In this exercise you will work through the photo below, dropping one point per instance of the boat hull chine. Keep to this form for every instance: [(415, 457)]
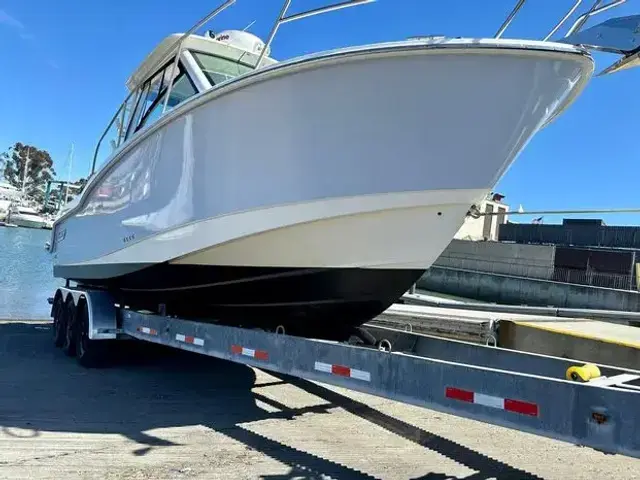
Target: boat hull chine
[(301, 300)]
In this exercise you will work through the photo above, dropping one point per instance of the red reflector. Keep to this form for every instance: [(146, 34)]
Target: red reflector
[(237, 349), (457, 394), (517, 406), (340, 370), (261, 355)]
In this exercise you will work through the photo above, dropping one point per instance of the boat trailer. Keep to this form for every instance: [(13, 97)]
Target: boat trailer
[(584, 404)]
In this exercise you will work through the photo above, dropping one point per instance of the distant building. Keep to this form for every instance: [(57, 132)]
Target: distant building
[(572, 232), (485, 227), (587, 251)]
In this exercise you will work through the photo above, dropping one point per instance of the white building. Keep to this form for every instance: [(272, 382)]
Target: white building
[(485, 227)]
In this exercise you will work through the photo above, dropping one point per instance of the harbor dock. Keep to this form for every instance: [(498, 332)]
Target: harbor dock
[(588, 340)]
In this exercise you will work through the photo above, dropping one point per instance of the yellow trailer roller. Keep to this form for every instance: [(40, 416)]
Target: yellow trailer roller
[(583, 373)]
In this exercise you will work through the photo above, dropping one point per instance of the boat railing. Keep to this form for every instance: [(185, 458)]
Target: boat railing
[(283, 18), (175, 51), (180, 42), (596, 8)]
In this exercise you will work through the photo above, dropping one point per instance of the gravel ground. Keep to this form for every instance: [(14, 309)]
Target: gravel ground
[(181, 416)]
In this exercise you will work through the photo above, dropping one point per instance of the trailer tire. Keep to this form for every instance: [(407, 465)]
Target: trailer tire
[(89, 353), (59, 322), (69, 343)]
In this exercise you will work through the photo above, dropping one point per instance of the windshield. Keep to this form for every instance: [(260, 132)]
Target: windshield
[(219, 69)]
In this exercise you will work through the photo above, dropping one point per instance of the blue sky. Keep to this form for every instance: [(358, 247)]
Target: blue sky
[(64, 65)]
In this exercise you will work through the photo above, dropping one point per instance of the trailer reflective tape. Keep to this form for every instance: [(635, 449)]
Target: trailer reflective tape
[(342, 371), (147, 330), (190, 340), (457, 394), (250, 352), (526, 408), (508, 404)]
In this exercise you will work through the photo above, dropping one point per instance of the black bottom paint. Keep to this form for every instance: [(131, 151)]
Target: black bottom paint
[(313, 300)]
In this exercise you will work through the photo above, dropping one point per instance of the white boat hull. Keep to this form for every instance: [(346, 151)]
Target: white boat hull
[(27, 221), (367, 160)]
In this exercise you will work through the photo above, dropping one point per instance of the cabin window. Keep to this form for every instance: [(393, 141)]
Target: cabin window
[(154, 94), (138, 108), (158, 84), (219, 69), (182, 89), (143, 107), (124, 118)]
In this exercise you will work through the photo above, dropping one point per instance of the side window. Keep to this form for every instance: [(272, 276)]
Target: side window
[(153, 114), (151, 107), (182, 89), (137, 111), (153, 93), (143, 108), (124, 119)]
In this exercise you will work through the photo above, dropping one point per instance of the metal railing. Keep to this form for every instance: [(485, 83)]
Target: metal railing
[(180, 41), (577, 25), (299, 16), (594, 10), (176, 50), (121, 110)]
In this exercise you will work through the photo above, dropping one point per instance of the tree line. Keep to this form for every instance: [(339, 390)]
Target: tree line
[(39, 171)]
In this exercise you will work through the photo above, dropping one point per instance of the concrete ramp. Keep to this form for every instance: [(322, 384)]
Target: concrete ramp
[(587, 340)]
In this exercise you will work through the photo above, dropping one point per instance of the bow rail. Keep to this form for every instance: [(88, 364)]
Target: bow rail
[(591, 38)]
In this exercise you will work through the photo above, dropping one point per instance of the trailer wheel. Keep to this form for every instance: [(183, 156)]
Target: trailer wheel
[(69, 344), (59, 323), (89, 353)]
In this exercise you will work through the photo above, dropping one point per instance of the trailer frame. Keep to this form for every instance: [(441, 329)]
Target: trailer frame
[(523, 391)]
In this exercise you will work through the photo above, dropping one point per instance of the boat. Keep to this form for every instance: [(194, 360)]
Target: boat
[(23, 215), (8, 191), (8, 195), (308, 193), (4, 208)]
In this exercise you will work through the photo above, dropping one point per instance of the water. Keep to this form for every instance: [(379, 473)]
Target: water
[(26, 273)]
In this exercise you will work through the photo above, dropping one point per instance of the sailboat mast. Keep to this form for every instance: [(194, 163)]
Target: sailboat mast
[(66, 195)]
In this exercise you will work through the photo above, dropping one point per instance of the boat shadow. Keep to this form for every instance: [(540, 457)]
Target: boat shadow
[(153, 387)]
